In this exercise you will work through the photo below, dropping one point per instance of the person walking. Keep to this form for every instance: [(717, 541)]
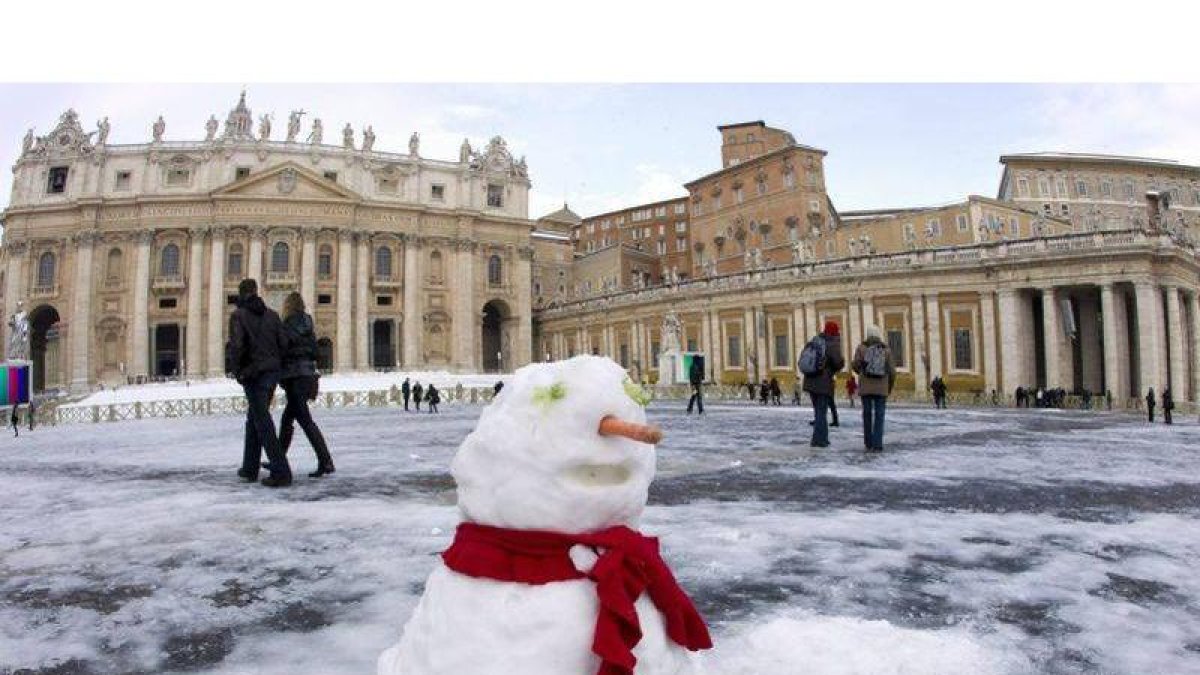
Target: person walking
[(819, 361), (1108, 399), (497, 387), (433, 397), (776, 392), (406, 392), (851, 388), (299, 381), (1150, 403), (254, 355), (764, 392), (1168, 404), (15, 420), (873, 361), (417, 390), (696, 379)]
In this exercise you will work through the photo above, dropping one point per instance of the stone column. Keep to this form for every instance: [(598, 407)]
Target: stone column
[(308, 269), (15, 291), (718, 345), (1091, 358), (810, 321), (761, 329), (855, 331), (464, 303), (195, 302), (1175, 338), (216, 304), (1051, 338), (921, 376), (706, 344), (987, 320), (1114, 380), (254, 265), (523, 290), (139, 357), (81, 313), (1194, 344), (1148, 329), (413, 281), (933, 317), (868, 313), (362, 302), (1012, 354), (345, 326), (750, 344)]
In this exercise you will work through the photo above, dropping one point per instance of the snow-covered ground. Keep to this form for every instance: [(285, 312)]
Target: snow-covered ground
[(982, 541), (212, 388)]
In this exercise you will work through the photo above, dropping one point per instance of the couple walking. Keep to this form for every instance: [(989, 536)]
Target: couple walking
[(821, 359), (264, 352)]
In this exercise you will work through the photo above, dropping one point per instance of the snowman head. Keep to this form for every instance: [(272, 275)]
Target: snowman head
[(537, 459)]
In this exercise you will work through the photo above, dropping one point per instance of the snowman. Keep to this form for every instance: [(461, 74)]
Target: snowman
[(547, 574)]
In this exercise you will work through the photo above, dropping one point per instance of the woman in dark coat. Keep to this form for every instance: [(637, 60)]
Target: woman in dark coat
[(433, 397), (299, 382)]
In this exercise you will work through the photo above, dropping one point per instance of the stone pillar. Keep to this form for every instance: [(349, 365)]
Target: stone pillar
[(921, 376), (1091, 358), (1175, 338), (362, 302), (345, 327), (1148, 329), (1012, 355), (718, 349), (706, 344), (868, 314), (1051, 338), (308, 269), (523, 290), (81, 313), (254, 264), (987, 320), (195, 301), (139, 357), (216, 304), (933, 317), (463, 325), (761, 330), (750, 345), (412, 306), (856, 331), (1194, 344), (1115, 366)]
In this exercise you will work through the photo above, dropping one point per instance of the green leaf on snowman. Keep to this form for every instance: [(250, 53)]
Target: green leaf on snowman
[(546, 396), (635, 392)]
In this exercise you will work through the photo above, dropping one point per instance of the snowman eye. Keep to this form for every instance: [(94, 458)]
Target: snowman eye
[(634, 391), (546, 396)]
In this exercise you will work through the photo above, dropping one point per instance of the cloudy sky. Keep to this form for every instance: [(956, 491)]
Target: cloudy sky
[(601, 147)]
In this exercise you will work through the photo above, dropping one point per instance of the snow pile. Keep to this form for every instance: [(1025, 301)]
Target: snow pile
[(849, 646)]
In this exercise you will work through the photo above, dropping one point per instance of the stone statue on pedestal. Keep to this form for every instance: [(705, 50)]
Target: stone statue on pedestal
[(348, 137), (264, 128), (210, 128), (102, 129), (414, 144), (368, 138), (293, 128), (464, 151), (318, 131), (18, 335), (159, 127), (27, 144), (669, 356)]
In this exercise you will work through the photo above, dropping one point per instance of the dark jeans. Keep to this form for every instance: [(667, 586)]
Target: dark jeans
[(697, 398), (833, 411), (296, 411), (1167, 415), (873, 407), (1150, 409), (820, 431), (406, 397), (260, 429)]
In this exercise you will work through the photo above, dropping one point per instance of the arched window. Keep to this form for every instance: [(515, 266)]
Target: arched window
[(114, 270), (168, 263), (233, 262), (495, 271), (383, 262), (325, 261), (435, 266), (45, 273), (280, 257)]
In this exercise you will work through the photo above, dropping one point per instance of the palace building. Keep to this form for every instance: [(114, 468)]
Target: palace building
[(127, 257), (1081, 274)]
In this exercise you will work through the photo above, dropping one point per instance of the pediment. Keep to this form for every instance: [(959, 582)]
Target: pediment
[(287, 181)]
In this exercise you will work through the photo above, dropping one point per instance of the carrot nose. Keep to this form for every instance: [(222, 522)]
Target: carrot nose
[(643, 433)]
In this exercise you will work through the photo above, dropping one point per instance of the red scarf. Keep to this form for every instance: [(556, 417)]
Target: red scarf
[(628, 565)]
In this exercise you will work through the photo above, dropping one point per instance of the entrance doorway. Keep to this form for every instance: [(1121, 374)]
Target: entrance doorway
[(43, 348), (166, 350), (492, 342), (383, 353)]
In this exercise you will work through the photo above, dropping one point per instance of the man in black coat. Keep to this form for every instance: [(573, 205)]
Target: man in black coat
[(417, 390), (696, 379), (406, 392), (254, 356), (1168, 404)]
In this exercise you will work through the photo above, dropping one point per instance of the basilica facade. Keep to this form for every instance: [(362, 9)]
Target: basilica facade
[(126, 258)]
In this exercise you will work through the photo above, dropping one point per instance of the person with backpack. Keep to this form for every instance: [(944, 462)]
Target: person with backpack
[(299, 380), (819, 361), (433, 397), (696, 379), (873, 361)]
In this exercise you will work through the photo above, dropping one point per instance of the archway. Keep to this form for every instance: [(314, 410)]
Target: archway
[(43, 347), (495, 313)]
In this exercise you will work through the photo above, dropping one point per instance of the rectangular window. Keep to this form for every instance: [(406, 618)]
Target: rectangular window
[(123, 180), (814, 206), (662, 247), (961, 221), (760, 187), (910, 233), (1014, 226), (387, 186), (56, 182), (680, 209), (783, 355), (895, 342), (733, 351), (933, 228), (654, 348), (168, 303), (495, 196), (1106, 189), (178, 177), (1043, 188), (738, 196), (437, 192), (962, 349), (830, 248), (624, 354), (789, 180), (241, 172), (330, 176), (1022, 188), (680, 244), (1061, 186), (661, 212), (1066, 209), (233, 265), (324, 299), (1128, 189), (1081, 188), (681, 225), (383, 300), (1046, 209), (231, 300), (325, 264)]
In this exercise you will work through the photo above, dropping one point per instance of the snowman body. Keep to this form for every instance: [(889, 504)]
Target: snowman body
[(535, 462)]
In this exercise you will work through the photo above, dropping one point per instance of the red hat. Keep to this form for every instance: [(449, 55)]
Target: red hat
[(831, 329)]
